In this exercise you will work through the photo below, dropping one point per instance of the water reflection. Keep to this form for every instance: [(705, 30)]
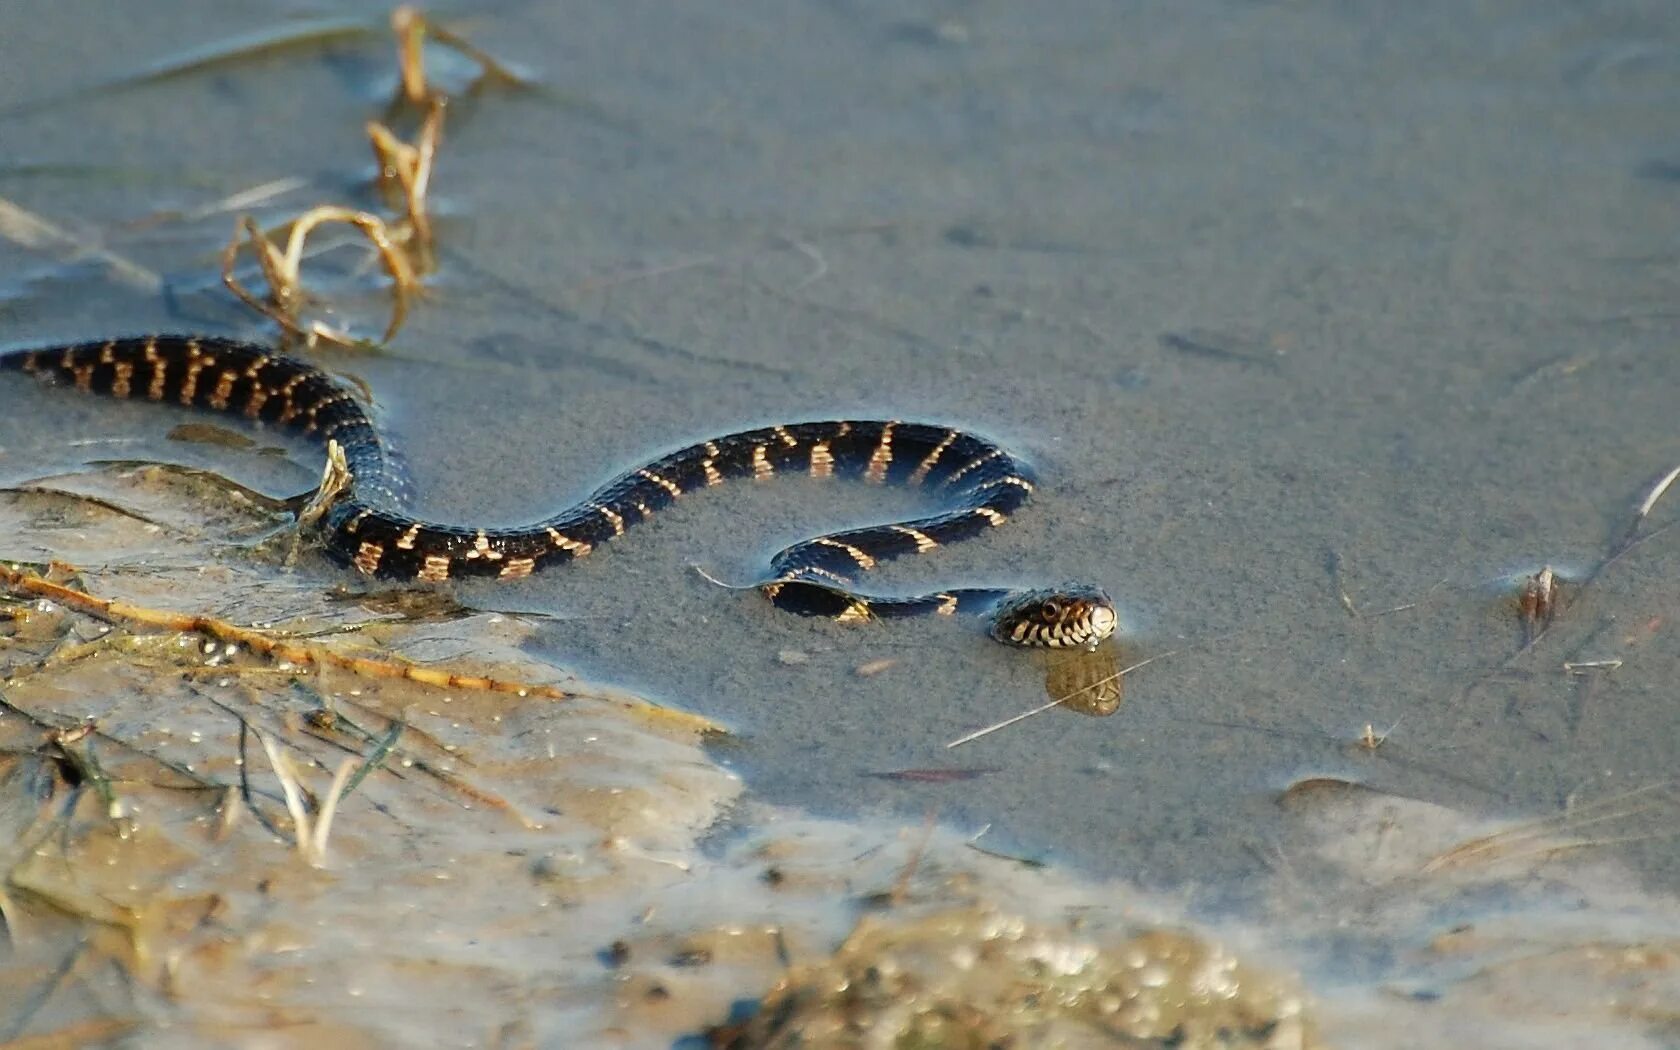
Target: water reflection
[(1085, 680)]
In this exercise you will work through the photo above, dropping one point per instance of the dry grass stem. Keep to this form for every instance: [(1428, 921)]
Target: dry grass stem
[(311, 832), (700, 570), (329, 808), (409, 168), (404, 246), (304, 34), (289, 35), (90, 727), (1531, 838), (232, 807), (281, 272), (411, 27), (1407, 606), (1551, 370), (327, 723), (283, 772), (279, 648), (1641, 511), (969, 738), (1644, 509)]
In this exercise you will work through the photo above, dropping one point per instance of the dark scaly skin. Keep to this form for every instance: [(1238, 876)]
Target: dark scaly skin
[(980, 484)]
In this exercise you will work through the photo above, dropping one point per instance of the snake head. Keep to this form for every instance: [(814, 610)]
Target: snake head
[(1074, 615)]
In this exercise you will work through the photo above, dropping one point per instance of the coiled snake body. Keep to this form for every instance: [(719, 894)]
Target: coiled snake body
[(981, 486)]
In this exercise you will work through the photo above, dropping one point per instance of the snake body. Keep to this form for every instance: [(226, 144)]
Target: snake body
[(978, 483)]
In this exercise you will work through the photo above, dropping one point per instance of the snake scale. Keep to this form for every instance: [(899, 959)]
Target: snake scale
[(978, 484)]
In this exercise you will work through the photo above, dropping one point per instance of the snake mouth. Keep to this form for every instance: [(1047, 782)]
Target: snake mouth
[(1069, 617)]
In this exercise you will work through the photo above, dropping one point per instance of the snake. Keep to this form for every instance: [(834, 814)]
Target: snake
[(977, 484)]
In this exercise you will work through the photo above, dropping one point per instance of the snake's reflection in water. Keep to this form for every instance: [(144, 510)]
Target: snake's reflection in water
[(1088, 681)]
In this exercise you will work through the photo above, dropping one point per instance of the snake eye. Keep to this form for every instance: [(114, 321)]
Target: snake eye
[(1052, 610)]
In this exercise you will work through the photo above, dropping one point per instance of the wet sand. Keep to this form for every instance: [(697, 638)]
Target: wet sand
[(1260, 290)]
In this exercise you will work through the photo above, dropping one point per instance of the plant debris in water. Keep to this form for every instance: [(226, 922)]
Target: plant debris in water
[(404, 244)]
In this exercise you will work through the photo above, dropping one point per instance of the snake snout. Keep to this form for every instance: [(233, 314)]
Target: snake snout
[(1067, 617)]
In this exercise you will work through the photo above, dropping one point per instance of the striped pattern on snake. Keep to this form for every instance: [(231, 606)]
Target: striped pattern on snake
[(979, 486)]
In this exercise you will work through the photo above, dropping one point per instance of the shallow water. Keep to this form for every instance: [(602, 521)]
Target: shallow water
[(1258, 289)]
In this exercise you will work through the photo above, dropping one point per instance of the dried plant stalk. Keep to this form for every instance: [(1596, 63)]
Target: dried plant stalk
[(409, 167), (266, 644), (404, 245), (281, 271), (1538, 603), (411, 27)]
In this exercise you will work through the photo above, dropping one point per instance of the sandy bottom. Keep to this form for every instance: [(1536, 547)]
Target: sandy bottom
[(527, 872)]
